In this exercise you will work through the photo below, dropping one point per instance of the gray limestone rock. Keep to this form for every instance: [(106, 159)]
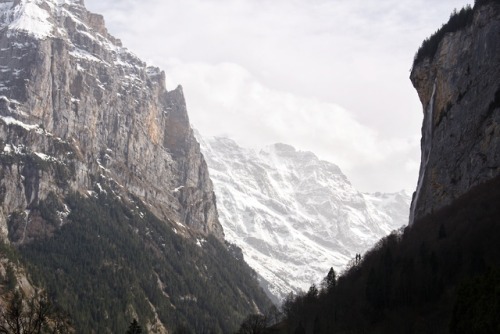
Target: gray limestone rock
[(460, 91), (77, 111)]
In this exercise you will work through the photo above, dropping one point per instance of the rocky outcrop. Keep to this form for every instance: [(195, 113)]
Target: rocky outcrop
[(77, 111), (459, 87)]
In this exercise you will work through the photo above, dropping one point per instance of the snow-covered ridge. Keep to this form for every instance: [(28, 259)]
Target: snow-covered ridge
[(293, 215), (28, 16), (85, 35), (44, 19)]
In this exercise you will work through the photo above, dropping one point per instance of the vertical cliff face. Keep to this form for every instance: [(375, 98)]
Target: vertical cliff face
[(103, 189), (459, 87), (78, 110)]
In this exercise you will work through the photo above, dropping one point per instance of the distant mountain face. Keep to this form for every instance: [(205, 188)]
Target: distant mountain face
[(294, 215), (103, 189)]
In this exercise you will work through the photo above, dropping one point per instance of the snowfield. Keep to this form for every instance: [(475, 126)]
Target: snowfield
[(293, 215)]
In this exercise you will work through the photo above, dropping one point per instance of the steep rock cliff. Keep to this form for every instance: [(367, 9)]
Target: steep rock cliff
[(459, 87), (78, 110), (104, 193)]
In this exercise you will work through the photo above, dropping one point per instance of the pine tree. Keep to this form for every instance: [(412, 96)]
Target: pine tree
[(330, 280), (134, 328)]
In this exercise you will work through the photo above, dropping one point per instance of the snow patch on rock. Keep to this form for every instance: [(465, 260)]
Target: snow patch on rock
[(28, 16)]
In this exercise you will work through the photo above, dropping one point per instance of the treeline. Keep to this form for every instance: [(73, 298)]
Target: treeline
[(441, 275), (113, 262), (458, 20)]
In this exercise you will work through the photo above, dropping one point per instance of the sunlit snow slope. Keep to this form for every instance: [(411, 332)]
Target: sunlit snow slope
[(294, 215)]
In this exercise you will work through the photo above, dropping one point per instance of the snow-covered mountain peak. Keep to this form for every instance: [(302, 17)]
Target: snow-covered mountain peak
[(84, 34), (66, 19), (35, 17), (28, 16), (294, 215), (306, 161)]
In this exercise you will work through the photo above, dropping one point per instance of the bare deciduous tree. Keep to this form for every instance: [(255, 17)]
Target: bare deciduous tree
[(34, 316)]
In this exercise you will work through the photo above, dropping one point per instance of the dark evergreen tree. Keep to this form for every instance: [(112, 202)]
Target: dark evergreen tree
[(330, 280), (134, 328), (458, 20), (313, 292)]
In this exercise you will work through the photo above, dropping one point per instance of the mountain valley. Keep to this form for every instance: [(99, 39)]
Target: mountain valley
[(115, 214)]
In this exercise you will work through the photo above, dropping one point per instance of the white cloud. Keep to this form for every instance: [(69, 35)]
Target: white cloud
[(330, 76), (225, 99)]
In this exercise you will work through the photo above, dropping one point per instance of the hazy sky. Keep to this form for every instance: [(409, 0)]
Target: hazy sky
[(329, 76)]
